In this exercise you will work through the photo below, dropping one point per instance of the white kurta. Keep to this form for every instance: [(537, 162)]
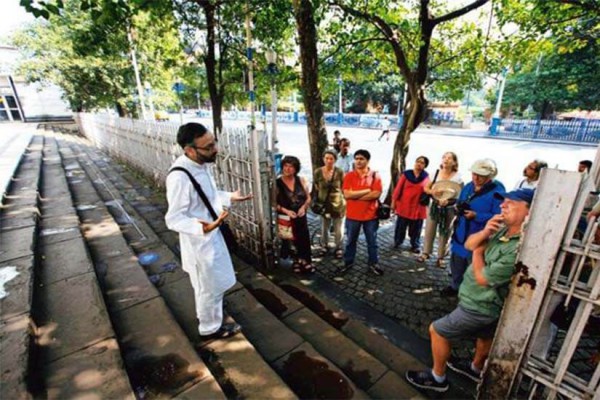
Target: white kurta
[(204, 256)]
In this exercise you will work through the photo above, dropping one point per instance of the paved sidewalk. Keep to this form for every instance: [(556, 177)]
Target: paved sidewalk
[(408, 292)]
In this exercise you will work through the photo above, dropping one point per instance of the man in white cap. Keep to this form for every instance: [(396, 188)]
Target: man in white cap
[(481, 296), (475, 206)]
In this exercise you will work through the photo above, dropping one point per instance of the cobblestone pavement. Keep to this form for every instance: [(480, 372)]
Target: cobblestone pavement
[(408, 291)]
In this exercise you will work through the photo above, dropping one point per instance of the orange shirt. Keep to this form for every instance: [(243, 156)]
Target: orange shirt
[(362, 210)]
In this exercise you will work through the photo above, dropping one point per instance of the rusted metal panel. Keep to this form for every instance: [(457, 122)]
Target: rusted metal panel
[(548, 219)]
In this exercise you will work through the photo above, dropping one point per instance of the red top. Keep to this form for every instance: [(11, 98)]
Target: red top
[(407, 206), (362, 210)]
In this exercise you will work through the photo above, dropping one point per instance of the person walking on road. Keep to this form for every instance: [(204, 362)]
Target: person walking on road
[(362, 188), (204, 255), (406, 205), (441, 212), (385, 126), (327, 189), (481, 296)]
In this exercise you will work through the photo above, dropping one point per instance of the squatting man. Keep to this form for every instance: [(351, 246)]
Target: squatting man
[(204, 255), (481, 294)]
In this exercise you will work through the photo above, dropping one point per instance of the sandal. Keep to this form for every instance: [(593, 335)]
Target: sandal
[(309, 269), (423, 257), (297, 267), (339, 254)]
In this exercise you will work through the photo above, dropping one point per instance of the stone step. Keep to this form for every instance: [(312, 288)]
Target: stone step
[(159, 359), (73, 337), (240, 370), (18, 231), (350, 351)]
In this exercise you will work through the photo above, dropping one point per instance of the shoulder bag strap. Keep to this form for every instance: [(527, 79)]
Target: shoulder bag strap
[(198, 189), (437, 171)]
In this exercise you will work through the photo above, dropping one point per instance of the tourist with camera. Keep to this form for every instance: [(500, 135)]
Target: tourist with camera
[(476, 204)]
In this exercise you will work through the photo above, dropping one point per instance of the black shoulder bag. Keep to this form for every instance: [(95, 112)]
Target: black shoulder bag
[(384, 211), (226, 231), (425, 198)]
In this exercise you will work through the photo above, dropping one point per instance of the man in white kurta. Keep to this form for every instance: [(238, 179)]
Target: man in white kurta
[(204, 255)]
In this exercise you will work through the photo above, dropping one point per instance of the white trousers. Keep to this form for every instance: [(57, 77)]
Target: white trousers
[(209, 308)]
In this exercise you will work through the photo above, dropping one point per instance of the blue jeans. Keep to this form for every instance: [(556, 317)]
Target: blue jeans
[(352, 232)]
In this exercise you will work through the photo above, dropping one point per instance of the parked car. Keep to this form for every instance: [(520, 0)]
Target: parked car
[(161, 116)]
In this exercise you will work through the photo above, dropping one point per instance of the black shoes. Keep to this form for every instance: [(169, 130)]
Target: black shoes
[(449, 292), (425, 380), (224, 332), (463, 367), (345, 268), (375, 270)]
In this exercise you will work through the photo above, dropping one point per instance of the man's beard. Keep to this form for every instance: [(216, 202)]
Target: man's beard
[(205, 159)]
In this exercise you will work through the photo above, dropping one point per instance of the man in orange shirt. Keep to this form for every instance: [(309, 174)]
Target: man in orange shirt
[(362, 188)]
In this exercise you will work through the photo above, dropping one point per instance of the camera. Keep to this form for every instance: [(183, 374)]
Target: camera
[(461, 207)]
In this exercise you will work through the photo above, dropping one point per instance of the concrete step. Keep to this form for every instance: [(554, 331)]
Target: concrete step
[(364, 358), (159, 359), (76, 339), (240, 369), (18, 232)]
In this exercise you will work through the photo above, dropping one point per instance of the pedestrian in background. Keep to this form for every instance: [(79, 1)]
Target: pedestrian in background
[(385, 126), (293, 200), (336, 141), (327, 190), (475, 206), (362, 188), (441, 212), (345, 160), (204, 255), (406, 205), (531, 174)]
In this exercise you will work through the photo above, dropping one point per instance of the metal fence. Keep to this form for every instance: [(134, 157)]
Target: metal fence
[(548, 341), (580, 131), (373, 121), (243, 163)]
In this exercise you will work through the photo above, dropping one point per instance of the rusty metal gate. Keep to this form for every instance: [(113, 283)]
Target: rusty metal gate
[(243, 163), (548, 339)]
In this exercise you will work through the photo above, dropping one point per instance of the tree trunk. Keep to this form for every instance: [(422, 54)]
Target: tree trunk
[(414, 113), (210, 62), (313, 105)]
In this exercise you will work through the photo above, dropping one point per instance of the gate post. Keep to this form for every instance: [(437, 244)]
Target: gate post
[(555, 195)]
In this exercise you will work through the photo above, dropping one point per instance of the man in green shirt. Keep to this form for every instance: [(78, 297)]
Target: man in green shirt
[(481, 294)]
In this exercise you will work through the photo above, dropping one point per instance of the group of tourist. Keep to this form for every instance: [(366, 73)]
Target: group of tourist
[(481, 220)]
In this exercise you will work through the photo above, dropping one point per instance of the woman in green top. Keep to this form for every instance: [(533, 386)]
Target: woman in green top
[(327, 189)]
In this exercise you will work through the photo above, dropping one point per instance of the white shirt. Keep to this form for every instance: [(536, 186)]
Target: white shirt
[(524, 184), (204, 255), (345, 163)]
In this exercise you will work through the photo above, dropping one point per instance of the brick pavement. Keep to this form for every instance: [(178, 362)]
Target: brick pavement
[(407, 292)]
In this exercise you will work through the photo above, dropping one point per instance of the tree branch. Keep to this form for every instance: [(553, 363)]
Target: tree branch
[(376, 39), (458, 13), (385, 29)]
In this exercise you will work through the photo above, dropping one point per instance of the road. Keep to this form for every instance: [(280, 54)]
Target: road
[(511, 156)]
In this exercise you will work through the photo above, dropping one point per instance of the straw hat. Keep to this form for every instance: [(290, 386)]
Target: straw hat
[(445, 190)]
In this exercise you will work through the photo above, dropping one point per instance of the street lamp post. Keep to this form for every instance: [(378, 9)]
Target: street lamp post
[(495, 127), (340, 110), (271, 57)]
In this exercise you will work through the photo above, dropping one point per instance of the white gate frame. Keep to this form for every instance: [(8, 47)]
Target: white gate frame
[(559, 201), (243, 163)]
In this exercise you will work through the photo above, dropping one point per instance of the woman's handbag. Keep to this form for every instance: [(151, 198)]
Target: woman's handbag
[(383, 211), (284, 227), (226, 231), (424, 198)]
